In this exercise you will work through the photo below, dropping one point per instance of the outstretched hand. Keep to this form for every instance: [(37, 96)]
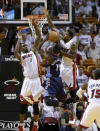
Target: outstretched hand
[(19, 35), (46, 12), (33, 21)]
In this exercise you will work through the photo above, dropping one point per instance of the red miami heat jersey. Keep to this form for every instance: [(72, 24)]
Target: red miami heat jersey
[(93, 90), (29, 64)]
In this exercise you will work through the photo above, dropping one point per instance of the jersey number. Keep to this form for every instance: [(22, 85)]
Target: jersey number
[(30, 59), (95, 93)]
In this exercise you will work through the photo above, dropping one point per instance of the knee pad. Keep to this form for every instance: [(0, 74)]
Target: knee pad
[(23, 108), (36, 109)]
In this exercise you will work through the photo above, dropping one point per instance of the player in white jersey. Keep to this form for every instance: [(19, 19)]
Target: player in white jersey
[(68, 65), (31, 88), (92, 111), (68, 51)]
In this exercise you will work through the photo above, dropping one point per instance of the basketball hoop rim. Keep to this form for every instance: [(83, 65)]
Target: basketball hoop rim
[(19, 28), (37, 17)]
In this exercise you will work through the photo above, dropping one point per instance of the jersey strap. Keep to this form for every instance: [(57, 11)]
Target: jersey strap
[(74, 75), (39, 69)]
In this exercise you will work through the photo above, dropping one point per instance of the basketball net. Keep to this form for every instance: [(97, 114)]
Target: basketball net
[(40, 21)]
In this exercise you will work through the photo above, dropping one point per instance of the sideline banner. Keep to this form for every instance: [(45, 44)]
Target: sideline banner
[(11, 79), (9, 121), (10, 83)]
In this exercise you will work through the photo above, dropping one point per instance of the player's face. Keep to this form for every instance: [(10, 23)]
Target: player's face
[(73, 48), (67, 37), (81, 47), (45, 30), (24, 48)]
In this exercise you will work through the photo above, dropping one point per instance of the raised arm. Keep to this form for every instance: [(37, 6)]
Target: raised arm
[(17, 48), (42, 42), (67, 45), (38, 35), (52, 26), (68, 49), (82, 90)]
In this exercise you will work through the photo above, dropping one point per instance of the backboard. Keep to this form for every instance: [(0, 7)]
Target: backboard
[(61, 12)]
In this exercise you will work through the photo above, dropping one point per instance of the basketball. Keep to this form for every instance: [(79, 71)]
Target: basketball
[(53, 36)]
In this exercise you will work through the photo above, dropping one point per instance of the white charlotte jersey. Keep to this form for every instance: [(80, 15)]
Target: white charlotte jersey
[(29, 64), (93, 91)]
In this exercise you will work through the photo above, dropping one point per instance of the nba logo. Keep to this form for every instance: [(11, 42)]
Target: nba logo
[(1, 13)]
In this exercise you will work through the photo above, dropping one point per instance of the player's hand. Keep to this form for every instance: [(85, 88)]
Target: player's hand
[(19, 35), (33, 21), (46, 12)]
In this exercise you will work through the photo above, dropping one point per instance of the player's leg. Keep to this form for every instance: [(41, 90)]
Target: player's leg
[(98, 117), (25, 95), (79, 128), (22, 115), (36, 116), (87, 117)]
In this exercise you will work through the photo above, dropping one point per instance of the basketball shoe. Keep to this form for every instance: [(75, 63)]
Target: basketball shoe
[(35, 127), (21, 128)]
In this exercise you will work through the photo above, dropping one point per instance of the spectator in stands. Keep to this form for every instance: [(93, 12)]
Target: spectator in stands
[(60, 4), (81, 78), (49, 116), (97, 39), (86, 10), (38, 10), (77, 26), (98, 10), (79, 1), (77, 9), (91, 2), (85, 38), (81, 51), (79, 111), (93, 51), (8, 43), (67, 120), (87, 26), (98, 63), (94, 11), (75, 36)]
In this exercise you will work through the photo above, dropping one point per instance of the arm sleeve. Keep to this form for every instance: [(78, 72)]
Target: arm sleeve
[(67, 45)]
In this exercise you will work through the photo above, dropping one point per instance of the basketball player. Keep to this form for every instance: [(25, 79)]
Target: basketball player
[(92, 111), (68, 51), (31, 88), (55, 89)]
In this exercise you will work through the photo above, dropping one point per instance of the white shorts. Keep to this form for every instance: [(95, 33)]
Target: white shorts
[(91, 113), (31, 87), (67, 75)]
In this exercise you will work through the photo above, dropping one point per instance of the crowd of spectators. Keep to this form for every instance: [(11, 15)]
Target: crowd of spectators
[(65, 116)]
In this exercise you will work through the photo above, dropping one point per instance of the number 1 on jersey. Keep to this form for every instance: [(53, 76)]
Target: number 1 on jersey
[(95, 93)]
